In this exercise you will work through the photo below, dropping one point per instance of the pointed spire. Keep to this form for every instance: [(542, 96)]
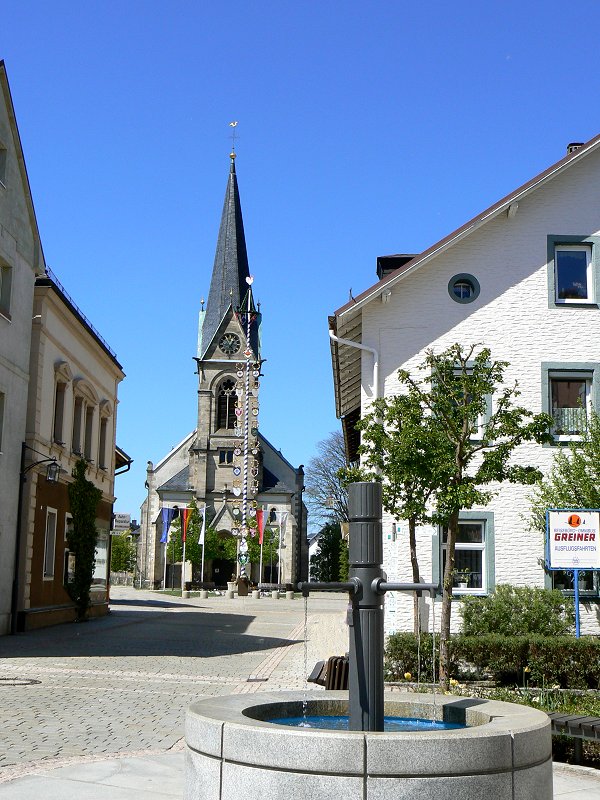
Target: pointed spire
[(228, 283)]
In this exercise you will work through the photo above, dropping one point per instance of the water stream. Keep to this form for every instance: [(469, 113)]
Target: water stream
[(433, 648), (305, 697)]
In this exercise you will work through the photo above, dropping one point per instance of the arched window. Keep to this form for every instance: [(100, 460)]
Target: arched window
[(226, 405)]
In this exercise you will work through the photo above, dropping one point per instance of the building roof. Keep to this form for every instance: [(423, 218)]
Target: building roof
[(178, 483), (346, 322), (39, 262), (228, 286)]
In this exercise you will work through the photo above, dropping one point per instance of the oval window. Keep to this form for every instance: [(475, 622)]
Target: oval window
[(463, 288)]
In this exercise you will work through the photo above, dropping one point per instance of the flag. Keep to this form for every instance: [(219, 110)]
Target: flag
[(185, 518), (168, 515), (260, 522), (281, 518), (203, 528)]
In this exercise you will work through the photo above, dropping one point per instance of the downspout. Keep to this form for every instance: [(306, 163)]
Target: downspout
[(369, 350)]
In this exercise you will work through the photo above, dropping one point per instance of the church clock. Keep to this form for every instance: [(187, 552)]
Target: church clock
[(229, 343)]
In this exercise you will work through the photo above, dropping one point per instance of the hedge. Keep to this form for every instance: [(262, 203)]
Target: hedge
[(562, 661)]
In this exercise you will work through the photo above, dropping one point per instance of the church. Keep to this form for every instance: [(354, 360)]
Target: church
[(226, 464)]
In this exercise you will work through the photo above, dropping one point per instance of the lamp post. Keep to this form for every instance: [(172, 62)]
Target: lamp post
[(52, 474)]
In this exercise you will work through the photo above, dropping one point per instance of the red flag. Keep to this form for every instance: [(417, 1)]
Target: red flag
[(185, 518), (260, 521)]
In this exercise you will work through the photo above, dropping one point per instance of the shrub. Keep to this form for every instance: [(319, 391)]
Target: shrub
[(518, 611), (405, 652), (561, 661), (566, 662)]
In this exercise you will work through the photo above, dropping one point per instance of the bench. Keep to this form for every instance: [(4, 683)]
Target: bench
[(579, 727), (332, 674)]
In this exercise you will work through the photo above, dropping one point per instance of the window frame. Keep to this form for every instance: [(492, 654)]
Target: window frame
[(2, 416), (226, 400), (6, 281), (592, 246), (225, 456), (488, 572), (464, 277), (49, 576), (588, 371)]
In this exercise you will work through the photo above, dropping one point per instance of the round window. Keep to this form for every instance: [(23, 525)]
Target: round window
[(463, 288)]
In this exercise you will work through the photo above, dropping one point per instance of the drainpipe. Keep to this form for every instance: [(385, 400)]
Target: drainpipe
[(372, 350)]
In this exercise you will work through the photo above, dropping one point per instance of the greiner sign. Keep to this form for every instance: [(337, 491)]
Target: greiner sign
[(574, 539)]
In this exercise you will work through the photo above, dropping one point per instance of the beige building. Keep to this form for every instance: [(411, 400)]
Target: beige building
[(71, 413), (208, 464), (21, 259)]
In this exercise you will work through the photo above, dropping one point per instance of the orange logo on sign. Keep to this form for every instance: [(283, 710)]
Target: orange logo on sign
[(574, 520)]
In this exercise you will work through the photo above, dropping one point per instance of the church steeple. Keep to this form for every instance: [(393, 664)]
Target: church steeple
[(228, 284)]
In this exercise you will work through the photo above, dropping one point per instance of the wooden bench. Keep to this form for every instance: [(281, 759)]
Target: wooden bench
[(576, 726), (332, 674)]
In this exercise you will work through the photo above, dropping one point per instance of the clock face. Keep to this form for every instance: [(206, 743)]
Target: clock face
[(229, 343)]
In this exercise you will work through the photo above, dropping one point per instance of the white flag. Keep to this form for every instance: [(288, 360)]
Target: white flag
[(282, 517), (203, 528)]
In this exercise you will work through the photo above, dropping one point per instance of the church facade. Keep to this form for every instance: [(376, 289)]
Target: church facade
[(226, 464)]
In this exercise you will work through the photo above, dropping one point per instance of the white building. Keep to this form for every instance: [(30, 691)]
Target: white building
[(522, 278), (21, 259)]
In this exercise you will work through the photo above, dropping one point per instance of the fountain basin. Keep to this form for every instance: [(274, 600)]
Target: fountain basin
[(233, 751)]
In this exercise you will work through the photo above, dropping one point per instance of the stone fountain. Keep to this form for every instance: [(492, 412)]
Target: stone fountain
[(233, 750)]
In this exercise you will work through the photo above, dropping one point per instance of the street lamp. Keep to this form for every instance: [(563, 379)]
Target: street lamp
[(53, 471)]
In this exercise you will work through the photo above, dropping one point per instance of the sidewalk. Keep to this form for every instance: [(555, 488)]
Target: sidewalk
[(159, 776), (116, 678)]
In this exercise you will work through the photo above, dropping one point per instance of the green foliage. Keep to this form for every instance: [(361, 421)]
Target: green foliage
[(543, 661), (518, 611), (325, 564), (122, 553), (409, 653), (574, 481), (82, 537), (461, 447)]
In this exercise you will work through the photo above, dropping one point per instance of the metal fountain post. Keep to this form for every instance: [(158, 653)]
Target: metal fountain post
[(366, 586)]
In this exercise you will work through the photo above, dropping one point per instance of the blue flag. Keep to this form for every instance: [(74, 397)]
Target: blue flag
[(168, 515)]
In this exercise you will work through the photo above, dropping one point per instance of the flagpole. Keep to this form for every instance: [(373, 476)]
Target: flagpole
[(183, 571), (201, 540), (165, 572)]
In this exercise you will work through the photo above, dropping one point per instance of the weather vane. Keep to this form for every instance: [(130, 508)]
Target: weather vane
[(233, 132)]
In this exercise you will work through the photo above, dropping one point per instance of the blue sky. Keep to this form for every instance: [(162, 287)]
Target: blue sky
[(364, 130)]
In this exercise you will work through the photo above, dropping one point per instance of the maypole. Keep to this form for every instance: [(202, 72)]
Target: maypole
[(247, 408)]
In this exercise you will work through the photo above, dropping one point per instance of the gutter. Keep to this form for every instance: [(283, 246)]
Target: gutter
[(371, 350)]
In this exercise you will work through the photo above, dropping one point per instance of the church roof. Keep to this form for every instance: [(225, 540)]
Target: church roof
[(178, 483), (228, 285)]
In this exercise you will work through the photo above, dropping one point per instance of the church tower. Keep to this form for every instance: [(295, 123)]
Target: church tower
[(225, 459), (226, 464)]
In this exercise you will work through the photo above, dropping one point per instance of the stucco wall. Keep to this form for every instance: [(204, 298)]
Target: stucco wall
[(512, 317)]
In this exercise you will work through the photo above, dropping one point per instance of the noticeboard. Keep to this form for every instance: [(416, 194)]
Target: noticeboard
[(573, 539)]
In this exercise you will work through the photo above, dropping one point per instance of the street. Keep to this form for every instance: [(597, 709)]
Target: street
[(122, 683)]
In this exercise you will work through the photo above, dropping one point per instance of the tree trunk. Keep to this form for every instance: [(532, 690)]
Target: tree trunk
[(447, 602), (412, 543)]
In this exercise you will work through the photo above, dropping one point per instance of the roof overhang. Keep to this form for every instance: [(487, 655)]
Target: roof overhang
[(346, 322)]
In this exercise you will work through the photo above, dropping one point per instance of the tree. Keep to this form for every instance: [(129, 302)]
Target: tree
[(326, 494), (122, 553), (573, 481), (82, 537), (327, 563), (407, 453), (467, 446)]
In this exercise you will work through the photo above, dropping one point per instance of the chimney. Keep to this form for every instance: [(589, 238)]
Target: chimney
[(573, 146)]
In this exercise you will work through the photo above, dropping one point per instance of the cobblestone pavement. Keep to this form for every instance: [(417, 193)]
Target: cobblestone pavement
[(122, 683)]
